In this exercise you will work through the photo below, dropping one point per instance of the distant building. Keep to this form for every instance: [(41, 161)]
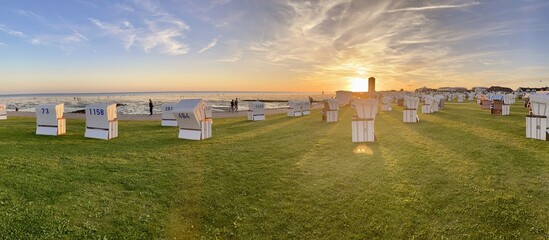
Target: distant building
[(479, 89), (529, 89), (344, 97), (425, 89), (452, 89), (499, 89)]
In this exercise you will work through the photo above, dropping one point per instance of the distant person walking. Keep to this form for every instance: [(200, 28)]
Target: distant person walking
[(232, 105), (311, 101), (236, 105), (151, 106)]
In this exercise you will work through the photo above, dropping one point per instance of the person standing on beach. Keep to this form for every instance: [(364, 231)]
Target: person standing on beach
[(236, 104), (151, 106), (232, 105)]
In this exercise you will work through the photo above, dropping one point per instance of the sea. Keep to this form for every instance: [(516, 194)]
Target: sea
[(138, 102)]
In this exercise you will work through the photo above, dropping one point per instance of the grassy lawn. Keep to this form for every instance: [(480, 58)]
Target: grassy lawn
[(459, 173)]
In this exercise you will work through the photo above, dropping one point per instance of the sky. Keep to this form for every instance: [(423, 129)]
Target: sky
[(270, 45)]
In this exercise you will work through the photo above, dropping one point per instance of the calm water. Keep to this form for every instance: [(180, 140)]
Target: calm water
[(137, 103)]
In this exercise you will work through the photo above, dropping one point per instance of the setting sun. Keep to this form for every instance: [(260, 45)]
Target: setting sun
[(358, 84)]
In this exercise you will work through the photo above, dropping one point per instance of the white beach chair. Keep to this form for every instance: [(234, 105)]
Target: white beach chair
[(294, 108), (256, 111), (3, 114), (427, 106), (362, 126), (330, 113), (101, 121), (410, 109), (386, 104), (191, 116), (538, 120), (168, 119), (305, 108), (50, 120)]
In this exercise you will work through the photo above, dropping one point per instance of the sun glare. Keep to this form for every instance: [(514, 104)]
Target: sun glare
[(358, 84)]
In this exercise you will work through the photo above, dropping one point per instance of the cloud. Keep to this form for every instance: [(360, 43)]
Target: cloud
[(3, 44), (230, 59), (434, 7), (11, 32), (124, 30), (66, 42), (153, 29), (210, 45), (29, 14), (322, 43), (124, 7), (76, 36)]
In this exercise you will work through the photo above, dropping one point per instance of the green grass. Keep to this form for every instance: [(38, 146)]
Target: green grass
[(459, 173)]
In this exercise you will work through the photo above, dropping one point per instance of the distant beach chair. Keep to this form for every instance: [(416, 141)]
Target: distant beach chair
[(3, 114), (485, 102), (256, 111), (294, 108), (538, 119), (410, 109), (50, 120), (496, 107), (330, 113), (386, 104), (101, 121), (191, 115), (168, 119), (440, 102), (508, 100), (305, 108), (363, 123), (471, 96), (428, 102)]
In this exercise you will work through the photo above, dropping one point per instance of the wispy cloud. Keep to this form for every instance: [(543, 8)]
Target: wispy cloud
[(230, 59), (3, 44), (123, 30), (210, 45), (155, 29), (433, 7), (233, 57), (66, 42), (29, 14), (11, 32), (124, 7), (326, 42)]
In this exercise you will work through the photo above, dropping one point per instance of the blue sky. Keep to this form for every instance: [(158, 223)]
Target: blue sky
[(286, 45)]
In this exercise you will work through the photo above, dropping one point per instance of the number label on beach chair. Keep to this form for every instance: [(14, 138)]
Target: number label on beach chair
[(97, 112), (45, 111), (184, 115)]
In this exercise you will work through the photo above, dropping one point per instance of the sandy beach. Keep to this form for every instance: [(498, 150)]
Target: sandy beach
[(157, 117)]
